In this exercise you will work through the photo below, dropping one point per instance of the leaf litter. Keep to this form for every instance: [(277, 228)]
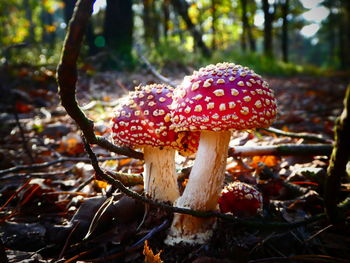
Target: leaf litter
[(59, 213)]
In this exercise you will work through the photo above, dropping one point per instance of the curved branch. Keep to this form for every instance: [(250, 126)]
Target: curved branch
[(67, 78), (337, 164), (169, 208)]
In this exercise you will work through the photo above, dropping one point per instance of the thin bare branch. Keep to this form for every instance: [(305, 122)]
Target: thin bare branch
[(152, 69), (67, 78), (281, 149), (302, 135), (169, 208)]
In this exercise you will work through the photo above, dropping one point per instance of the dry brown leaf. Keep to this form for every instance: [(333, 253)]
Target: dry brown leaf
[(149, 255)]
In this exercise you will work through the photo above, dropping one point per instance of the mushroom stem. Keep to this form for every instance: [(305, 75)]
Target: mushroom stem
[(202, 190), (160, 180)]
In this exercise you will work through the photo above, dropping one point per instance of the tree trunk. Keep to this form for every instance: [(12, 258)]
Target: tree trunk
[(344, 35), (90, 35), (244, 24), (150, 22), (181, 7), (285, 10), (213, 25), (29, 17), (269, 16), (147, 21), (118, 28), (49, 33), (337, 165), (166, 17), (251, 39)]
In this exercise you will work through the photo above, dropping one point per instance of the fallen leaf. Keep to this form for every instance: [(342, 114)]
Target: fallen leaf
[(268, 160), (149, 255)]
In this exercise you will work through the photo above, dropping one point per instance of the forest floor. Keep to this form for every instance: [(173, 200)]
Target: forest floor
[(58, 212)]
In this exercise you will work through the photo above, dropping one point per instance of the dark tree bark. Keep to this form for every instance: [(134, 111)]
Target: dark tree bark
[(48, 36), (248, 26), (181, 7), (166, 17), (118, 29), (244, 25), (285, 10), (337, 165), (213, 25), (29, 17), (269, 17), (150, 22), (90, 35), (146, 16), (344, 35)]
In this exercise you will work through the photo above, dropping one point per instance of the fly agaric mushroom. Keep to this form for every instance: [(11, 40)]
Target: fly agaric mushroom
[(144, 121), (240, 199), (214, 100)]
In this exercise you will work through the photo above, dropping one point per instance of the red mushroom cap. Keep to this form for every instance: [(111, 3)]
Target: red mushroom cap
[(222, 97), (240, 199), (144, 119)]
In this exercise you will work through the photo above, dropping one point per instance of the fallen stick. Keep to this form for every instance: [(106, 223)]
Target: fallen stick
[(153, 70), (301, 135), (282, 149)]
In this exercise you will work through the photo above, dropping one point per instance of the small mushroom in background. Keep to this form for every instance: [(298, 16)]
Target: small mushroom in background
[(143, 121), (240, 199), (214, 100)]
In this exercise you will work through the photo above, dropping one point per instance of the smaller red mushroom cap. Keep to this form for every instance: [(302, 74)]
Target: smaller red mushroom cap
[(143, 119), (240, 199), (221, 97)]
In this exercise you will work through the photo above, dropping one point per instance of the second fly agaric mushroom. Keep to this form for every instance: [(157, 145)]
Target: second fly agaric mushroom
[(143, 121), (240, 199), (214, 100)]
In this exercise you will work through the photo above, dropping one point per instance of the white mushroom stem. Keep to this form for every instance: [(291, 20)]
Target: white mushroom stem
[(160, 181), (202, 190)]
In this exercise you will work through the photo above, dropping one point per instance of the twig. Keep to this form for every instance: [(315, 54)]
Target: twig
[(337, 165), (67, 78), (47, 164), (24, 141), (153, 70), (15, 194), (281, 149), (68, 240), (302, 135), (318, 233), (251, 223)]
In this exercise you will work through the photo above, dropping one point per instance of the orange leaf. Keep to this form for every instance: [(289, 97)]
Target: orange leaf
[(101, 184), (149, 255), (268, 160), (71, 144)]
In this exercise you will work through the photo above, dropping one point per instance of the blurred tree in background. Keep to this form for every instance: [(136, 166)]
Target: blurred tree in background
[(266, 34)]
